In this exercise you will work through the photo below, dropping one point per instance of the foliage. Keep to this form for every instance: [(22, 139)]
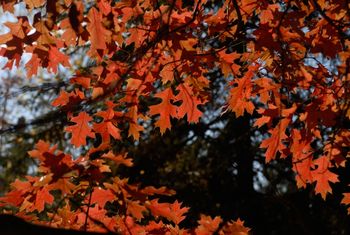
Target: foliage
[(151, 62)]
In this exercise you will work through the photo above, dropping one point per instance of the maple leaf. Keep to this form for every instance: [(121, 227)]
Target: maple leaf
[(207, 225), (57, 164), (14, 198), (172, 212), (346, 198), (267, 15), (62, 184), (4, 38), (81, 129), (42, 196), (235, 228), (102, 196), (107, 128)]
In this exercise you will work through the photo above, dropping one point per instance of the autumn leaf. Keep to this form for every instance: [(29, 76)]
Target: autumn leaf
[(81, 80), (188, 44), (189, 104), (81, 129), (56, 57), (235, 228), (135, 209), (275, 143), (207, 225), (102, 196), (34, 3), (41, 148), (32, 65), (165, 109), (65, 98), (322, 176), (240, 95), (98, 34), (14, 198), (58, 164), (167, 74), (118, 159), (346, 200), (150, 190), (172, 212), (43, 197)]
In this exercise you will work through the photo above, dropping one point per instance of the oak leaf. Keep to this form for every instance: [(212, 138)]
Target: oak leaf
[(98, 34), (189, 105), (275, 143), (81, 129), (322, 176), (165, 109)]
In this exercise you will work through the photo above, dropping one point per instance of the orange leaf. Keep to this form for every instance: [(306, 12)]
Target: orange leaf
[(81, 129), (322, 176), (172, 212), (235, 228), (165, 109), (98, 34), (274, 143), (135, 209), (346, 199), (188, 44), (102, 196), (189, 105), (43, 196), (167, 74), (207, 225), (34, 3), (119, 159), (56, 57)]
